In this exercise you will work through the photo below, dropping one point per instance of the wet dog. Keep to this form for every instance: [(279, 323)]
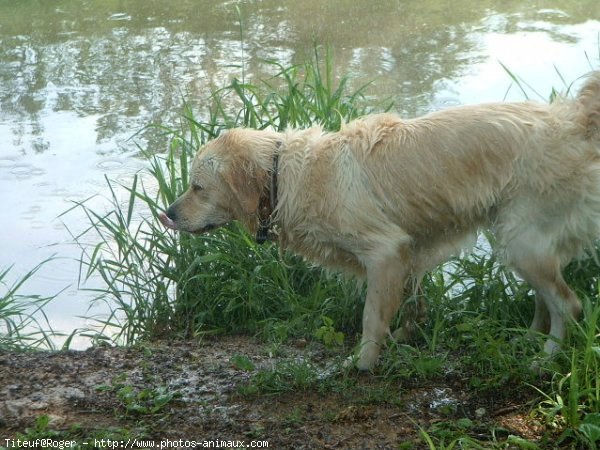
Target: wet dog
[(388, 199)]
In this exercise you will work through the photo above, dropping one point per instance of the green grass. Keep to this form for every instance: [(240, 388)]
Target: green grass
[(23, 324), (572, 404)]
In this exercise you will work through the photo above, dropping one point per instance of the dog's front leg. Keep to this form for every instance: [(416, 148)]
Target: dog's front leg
[(385, 285)]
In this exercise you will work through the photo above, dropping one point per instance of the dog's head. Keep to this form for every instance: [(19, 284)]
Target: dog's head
[(227, 178)]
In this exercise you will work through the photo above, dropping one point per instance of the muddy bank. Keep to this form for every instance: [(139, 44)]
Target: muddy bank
[(209, 391)]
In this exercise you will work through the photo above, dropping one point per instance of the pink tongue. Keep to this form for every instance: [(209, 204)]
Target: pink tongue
[(166, 221)]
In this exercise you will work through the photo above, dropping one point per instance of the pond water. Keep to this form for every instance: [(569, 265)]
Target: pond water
[(79, 79)]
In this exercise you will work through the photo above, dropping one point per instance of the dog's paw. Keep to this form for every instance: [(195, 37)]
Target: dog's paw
[(355, 362), (368, 357)]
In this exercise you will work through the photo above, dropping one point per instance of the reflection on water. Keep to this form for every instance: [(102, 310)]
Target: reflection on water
[(77, 79)]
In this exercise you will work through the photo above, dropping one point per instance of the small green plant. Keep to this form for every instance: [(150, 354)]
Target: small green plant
[(241, 362), (135, 402), (589, 429), (401, 361), (41, 429), (286, 376), (328, 334), (139, 402)]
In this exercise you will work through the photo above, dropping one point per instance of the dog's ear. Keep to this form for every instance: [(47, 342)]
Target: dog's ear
[(247, 184)]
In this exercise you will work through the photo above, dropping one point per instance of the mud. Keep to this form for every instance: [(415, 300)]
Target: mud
[(209, 396)]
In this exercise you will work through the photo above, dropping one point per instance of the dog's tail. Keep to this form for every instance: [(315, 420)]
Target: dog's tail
[(589, 99)]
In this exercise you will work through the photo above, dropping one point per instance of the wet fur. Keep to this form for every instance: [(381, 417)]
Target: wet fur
[(388, 199)]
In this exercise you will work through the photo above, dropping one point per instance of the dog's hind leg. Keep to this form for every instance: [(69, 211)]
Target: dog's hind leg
[(554, 299), (386, 278)]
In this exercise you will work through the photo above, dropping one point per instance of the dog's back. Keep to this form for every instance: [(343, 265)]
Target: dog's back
[(458, 166)]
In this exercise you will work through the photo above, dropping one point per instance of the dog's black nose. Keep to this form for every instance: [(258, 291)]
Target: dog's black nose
[(171, 213), (169, 218)]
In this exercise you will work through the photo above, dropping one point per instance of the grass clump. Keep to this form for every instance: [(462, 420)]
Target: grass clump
[(21, 315), (571, 405)]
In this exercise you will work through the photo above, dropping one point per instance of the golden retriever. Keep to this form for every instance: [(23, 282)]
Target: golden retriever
[(388, 199)]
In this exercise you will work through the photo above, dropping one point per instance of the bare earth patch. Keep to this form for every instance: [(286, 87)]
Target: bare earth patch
[(198, 393)]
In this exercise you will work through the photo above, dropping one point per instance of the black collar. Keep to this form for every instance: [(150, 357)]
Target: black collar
[(268, 203)]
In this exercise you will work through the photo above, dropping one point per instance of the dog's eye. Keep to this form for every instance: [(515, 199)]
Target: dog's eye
[(197, 187)]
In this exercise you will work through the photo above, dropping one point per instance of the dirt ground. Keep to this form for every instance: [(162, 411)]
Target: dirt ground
[(103, 389)]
